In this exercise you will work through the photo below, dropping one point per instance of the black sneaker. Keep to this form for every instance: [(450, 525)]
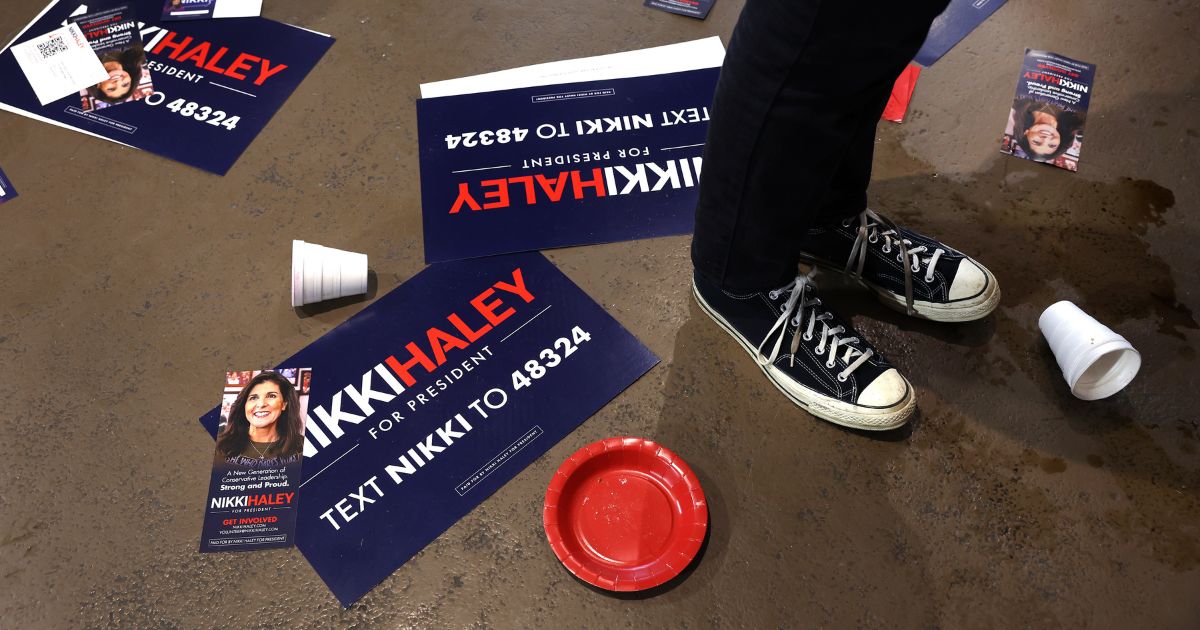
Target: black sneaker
[(827, 367), (938, 283)]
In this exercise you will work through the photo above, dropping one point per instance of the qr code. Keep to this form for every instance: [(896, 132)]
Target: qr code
[(52, 47)]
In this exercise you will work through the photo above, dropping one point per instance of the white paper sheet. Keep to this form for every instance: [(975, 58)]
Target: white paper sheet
[(59, 63), (693, 55), (237, 8)]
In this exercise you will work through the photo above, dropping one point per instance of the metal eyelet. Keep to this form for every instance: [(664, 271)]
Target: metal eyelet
[(806, 337), (830, 365), (887, 249), (841, 378), (846, 223), (916, 268), (872, 239), (818, 351), (899, 258)]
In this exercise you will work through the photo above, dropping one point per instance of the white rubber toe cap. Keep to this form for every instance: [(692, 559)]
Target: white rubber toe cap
[(969, 281), (885, 391)]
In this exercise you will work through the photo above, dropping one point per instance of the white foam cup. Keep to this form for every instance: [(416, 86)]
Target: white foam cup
[(1095, 361), (324, 273)]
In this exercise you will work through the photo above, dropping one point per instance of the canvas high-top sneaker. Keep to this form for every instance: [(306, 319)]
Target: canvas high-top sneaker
[(907, 270), (815, 358)]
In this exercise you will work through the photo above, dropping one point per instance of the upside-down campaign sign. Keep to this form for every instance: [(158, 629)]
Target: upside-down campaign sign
[(604, 157), (435, 396), (216, 84)]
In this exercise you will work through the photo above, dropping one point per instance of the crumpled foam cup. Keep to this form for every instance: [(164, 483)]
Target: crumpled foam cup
[(324, 273), (1095, 361)]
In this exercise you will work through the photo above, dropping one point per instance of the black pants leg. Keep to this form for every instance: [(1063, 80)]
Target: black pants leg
[(793, 126)]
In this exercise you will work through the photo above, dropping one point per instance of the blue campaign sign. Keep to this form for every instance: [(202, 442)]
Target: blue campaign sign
[(7, 192), (569, 164), (953, 25), (436, 395), (215, 84)]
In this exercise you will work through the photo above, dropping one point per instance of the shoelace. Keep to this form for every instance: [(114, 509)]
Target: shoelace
[(869, 231), (793, 310)]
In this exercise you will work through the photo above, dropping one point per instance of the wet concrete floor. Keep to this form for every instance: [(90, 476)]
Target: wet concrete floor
[(129, 283)]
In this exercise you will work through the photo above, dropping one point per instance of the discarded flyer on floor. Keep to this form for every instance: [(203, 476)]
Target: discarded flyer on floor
[(953, 25), (573, 163), (1046, 121), (7, 192), (692, 8), (435, 396), (113, 35), (209, 9), (54, 64), (216, 84), (253, 492)]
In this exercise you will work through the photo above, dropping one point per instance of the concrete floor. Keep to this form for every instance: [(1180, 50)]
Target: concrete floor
[(1007, 503)]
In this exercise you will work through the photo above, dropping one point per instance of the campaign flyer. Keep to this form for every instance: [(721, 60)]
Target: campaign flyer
[(7, 192), (567, 164), (953, 25), (187, 9), (1045, 123), (206, 9), (55, 64), (113, 35), (691, 8), (216, 84), (253, 493), (435, 396)]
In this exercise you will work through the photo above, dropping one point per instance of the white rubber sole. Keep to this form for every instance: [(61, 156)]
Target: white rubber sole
[(967, 310), (819, 405)]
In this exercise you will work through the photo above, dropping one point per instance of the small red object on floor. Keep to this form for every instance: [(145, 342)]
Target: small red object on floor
[(902, 90), (625, 514)]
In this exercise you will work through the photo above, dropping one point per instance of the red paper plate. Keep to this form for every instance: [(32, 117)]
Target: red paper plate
[(625, 514)]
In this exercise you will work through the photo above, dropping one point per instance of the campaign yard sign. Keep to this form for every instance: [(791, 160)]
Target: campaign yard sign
[(435, 396), (566, 164), (7, 192), (952, 26), (216, 84)]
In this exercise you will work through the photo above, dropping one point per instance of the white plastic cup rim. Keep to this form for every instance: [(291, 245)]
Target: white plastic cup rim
[(1096, 362)]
